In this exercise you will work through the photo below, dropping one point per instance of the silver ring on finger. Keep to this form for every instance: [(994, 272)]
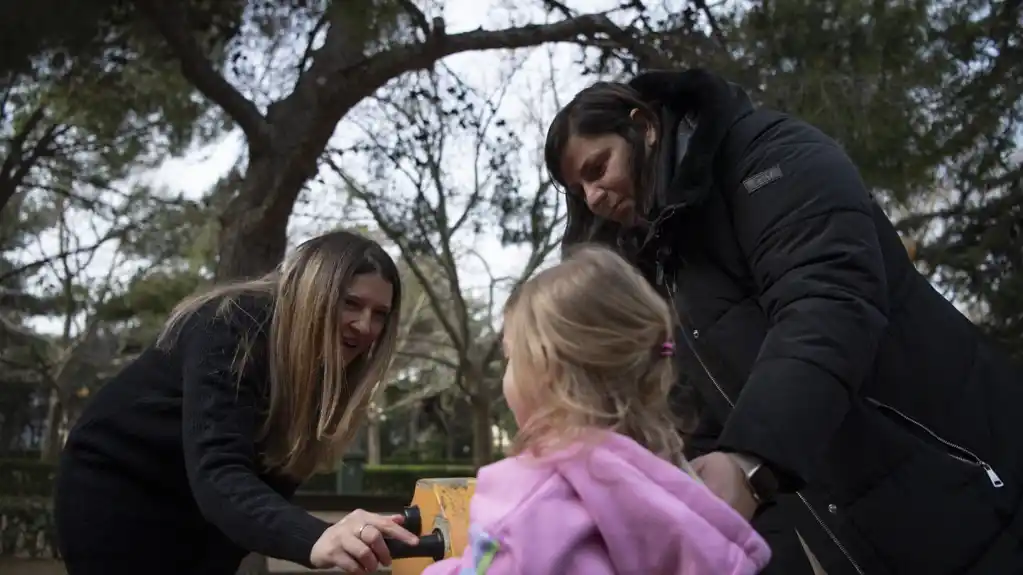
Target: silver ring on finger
[(358, 534)]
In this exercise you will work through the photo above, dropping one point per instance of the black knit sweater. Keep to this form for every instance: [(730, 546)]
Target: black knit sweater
[(175, 432)]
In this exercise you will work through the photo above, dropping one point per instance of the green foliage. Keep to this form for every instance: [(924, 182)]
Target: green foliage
[(928, 100), (153, 294), (865, 72), (19, 223), (178, 241), (392, 479), (99, 124), (27, 528), (401, 479), (29, 28), (87, 99), (26, 516), (49, 34), (976, 248), (26, 478), (142, 307), (320, 483), (979, 255)]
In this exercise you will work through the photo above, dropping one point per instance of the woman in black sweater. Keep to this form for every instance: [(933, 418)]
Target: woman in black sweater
[(185, 461)]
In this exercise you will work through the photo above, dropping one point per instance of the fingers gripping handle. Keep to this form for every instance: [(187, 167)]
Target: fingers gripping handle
[(431, 546), (413, 520)]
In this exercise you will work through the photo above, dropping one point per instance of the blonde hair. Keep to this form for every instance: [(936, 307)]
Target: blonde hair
[(587, 345), (317, 404)]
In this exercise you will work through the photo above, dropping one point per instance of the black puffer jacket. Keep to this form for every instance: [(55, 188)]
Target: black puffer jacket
[(814, 344)]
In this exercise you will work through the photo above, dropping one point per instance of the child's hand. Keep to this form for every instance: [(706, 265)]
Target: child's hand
[(722, 474), (356, 543)]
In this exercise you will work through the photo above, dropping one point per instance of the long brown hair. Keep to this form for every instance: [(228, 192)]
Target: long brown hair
[(317, 403), (586, 349), (601, 109)]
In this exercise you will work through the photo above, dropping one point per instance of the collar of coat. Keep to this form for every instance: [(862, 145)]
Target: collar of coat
[(715, 105)]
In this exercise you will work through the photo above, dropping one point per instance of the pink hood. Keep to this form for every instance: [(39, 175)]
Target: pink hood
[(612, 508)]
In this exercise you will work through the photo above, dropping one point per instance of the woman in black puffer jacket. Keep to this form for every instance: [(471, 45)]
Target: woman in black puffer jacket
[(842, 401)]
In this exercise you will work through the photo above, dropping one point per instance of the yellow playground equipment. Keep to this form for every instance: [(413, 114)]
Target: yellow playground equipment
[(439, 513)]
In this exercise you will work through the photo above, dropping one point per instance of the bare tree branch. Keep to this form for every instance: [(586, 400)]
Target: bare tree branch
[(419, 56), (355, 188), (307, 52), (170, 19), (112, 235), (416, 15), (19, 161), (434, 217)]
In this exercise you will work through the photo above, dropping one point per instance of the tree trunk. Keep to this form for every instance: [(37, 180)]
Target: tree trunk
[(450, 448), (482, 430), (54, 419), (254, 226), (413, 432), (12, 425), (373, 442), (374, 429), (285, 144)]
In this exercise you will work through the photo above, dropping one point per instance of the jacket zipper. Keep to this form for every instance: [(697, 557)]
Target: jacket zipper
[(955, 451), (692, 346)]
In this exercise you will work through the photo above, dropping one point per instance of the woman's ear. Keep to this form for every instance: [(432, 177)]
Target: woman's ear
[(649, 132)]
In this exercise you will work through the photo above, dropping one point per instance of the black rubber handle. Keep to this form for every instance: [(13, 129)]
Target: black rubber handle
[(413, 522), (431, 546)]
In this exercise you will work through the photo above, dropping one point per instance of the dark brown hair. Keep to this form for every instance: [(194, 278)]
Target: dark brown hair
[(601, 109)]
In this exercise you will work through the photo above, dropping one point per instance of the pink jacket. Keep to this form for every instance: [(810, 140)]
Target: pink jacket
[(609, 509)]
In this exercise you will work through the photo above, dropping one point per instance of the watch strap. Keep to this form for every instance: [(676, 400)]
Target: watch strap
[(763, 483)]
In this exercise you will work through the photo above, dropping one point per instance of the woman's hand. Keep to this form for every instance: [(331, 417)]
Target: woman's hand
[(723, 475), (356, 543)]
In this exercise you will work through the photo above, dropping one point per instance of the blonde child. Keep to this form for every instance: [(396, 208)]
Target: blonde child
[(595, 484)]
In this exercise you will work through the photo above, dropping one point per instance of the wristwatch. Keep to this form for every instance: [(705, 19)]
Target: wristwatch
[(763, 483)]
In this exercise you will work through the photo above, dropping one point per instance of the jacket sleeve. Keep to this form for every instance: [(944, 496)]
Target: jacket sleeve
[(220, 421), (803, 219)]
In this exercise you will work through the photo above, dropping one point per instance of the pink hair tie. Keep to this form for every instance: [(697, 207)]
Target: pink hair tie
[(668, 349)]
